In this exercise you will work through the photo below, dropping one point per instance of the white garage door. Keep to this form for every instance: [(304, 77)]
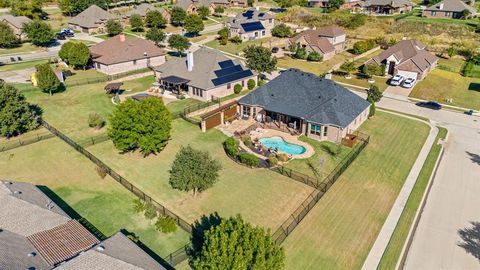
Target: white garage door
[(408, 74)]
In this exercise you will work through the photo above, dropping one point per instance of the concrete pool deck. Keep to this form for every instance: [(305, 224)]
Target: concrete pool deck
[(268, 133)]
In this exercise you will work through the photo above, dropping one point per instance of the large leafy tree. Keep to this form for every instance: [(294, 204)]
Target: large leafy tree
[(156, 35), (177, 16), (79, 55), (143, 125), (193, 170), (179, 43), (223, 36), (7, 37), (65, 50), (260, 59), (194, 24), (235, 244), (154, 18), (29, 8), (114, 27), (374, 94), (16, 115), (40, 33), (47, 79), (136, 22), (203, 12), (282, 31)]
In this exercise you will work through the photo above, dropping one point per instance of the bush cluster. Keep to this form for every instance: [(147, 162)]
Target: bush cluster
[(251, 84), (101, 171), (363, 45), (237, 88), (95, 121), (249, 159), (282, 157), (272, 160), (166, 224), (150, 211), (231, 147)]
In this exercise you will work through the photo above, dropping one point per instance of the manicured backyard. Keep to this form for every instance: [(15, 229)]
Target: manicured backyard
[(103, 202), (235, 48), (339, 232), (316, 68), (441, 85)]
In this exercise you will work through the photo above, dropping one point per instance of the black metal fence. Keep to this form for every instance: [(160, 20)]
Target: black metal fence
[(14, 143), (93, 140), (124, 182), (178, 255)]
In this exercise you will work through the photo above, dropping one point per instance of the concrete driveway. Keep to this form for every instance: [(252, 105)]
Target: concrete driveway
[(398, 90)]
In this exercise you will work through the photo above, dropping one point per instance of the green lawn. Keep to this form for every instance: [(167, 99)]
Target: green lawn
[(454, 64), (103, 202), (23, 48), (177, 106), (22, 65), (322, 161), (261, 196), (394, 248), (440, 85), (381, 82), (340, 230), (419, 18), (234, 48), (314, 67)]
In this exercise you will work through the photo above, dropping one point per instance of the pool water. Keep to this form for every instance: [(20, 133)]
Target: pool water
[(282, 145)]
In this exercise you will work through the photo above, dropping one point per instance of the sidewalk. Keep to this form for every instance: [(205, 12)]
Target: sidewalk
[(383, 238)]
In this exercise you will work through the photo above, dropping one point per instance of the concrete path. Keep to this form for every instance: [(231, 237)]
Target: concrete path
[(376, 253), (85, 36), (398, 90)]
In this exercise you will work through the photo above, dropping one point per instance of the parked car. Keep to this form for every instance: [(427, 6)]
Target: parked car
[(396, 80), (67, 32), (408, 83), (275, 49), (430, 104), (61, 36)]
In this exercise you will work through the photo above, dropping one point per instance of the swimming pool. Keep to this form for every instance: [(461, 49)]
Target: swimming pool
[(282, 145)]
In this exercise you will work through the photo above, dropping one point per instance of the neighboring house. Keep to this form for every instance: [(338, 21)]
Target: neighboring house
[(121, 54), (407, 58), (37, 234), (326, 3), (92, 20), (449, 9), (327, 41), (205, 74), (251, 24), (16, 23), (144, 8), (191, 6), (313, 106), (383, 7)]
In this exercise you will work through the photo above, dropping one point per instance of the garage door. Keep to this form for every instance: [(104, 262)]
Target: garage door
[(213, 121), (408, 74), (229, 113)]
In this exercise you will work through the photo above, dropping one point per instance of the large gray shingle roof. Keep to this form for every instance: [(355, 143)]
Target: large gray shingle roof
[(307, 96), (452, 5)]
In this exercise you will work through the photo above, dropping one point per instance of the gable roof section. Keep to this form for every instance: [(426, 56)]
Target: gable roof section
[(17, 21), (392, 3), (90, 17), (330, 31), (452, 5), (114, 50), (211, 68), (317, 39), (142, 9), (307, 96), (249, 16), (252, 26), (15, 250)]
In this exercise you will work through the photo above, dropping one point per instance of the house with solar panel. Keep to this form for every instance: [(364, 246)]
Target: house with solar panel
[(35, 233), (205, 74), (251, 24)]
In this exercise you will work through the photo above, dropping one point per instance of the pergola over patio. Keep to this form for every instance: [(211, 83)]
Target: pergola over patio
[(175, 84), (113, 88)]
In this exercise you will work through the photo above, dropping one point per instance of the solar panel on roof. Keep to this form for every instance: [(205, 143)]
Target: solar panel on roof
[(226, 63), (226, 71), (253, 26), (248, 14), (232, 77)]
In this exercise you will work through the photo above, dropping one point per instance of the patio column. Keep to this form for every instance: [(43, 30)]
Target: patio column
[(305, 128)]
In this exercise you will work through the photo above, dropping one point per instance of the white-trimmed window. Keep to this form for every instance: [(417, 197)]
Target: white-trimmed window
[(315, 129)]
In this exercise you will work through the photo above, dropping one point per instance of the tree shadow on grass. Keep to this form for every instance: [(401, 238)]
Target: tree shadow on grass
[(199, 228), (471, 239), (474, 87), (474, 157)]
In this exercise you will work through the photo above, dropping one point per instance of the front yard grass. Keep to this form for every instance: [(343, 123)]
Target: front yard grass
[(392, 253), (316, 68), (237, 49), (22, 65), (103, 202), (340, 230), (23, 48), (441, 85), (261, 196), (381, 82)]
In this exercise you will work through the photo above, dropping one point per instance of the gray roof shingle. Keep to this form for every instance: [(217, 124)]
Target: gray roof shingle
[(90, 17), (453, 6), (309, 97)]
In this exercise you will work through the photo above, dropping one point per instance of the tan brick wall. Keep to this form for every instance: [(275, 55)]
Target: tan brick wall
[(129, 66)]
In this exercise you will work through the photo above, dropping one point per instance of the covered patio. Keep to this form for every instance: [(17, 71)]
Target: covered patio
[(174, 84), (273, 120)]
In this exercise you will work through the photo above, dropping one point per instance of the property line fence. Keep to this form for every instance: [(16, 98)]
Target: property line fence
[(94, 140), (124, 182), (14, 143), (178, 255)]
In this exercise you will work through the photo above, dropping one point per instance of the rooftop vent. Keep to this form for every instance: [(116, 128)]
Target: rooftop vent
[(145, 54), (17, 192), (100, 248), (32, 254)]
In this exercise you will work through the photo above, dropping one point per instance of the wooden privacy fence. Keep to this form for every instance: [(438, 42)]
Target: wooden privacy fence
[(124, 182)]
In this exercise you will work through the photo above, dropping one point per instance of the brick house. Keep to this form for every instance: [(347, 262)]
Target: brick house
[(191, 6), (16, 23), (251, 24), (92, 20), (383, 7), (327, 41), (452, 9)]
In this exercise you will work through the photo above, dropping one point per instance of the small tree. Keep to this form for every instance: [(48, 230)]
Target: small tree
[(237, 88), (335, 4), (79, 55), (166, 224), (203, 12), (236, 39), (143, 125), (47, 80), (251, 84), (219, 10), (179, 43), (373, 109), (300, 53), (65, 50), (17, 116), (282, 31), (193, 170), (154, 18), (193, 24), (348, 67), (156, 35), (372, 69), (95, 121), (39, 33), (136, 22), (114, 27), (7, 37), (235, 244), (223, 36), (451, 51), (374, 94), (314, 56), (177, 16), (260, 59), (250, 3)]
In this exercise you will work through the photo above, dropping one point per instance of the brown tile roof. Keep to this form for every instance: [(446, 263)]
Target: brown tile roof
[(331, 31), (62, 242), (118, 50), (17, 21), (91, 17), (315, 40)]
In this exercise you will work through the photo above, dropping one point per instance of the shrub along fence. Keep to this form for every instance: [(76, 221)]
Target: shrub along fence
[(139, 193), (14, 143)]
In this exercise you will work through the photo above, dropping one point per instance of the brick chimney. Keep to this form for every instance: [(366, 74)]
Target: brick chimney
[(122, 37)]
